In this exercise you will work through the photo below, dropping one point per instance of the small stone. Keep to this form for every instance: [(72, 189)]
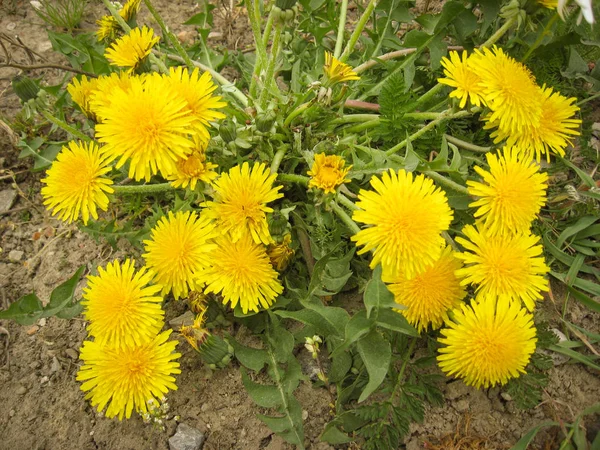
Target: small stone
[(186, 318), (32, 330), (7, 198), (44, 380), (72, 353), (205, 407), (413, 445), (42, 322), (11, 413), (92, 433), (15, 255), (55, 366), (186, 438), (456, 389), (304, 414), (462, 405), (21, 390), (506, 396)]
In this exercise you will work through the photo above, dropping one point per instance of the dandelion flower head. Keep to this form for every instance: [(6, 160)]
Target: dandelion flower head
[(106, 85), (507, 265), (76, 184), (242, 273), (130, 9), (511, 193), (178, 251), (193, 168), (240, 202), (108, 27), (131, 49), (405, 216), (126, 378), (431, 293), (461, 76), (281, 254), (328, 172), (337, 71), (487, 343), (81, 92)]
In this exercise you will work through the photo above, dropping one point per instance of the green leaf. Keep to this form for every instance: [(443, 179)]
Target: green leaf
[(335, 316), (252, 358), (24, 311), (568, 260), (282, 342), (69, 312), (588, 286), (289, 427), (524, 442), (356, 328), (580, 225), (63, 295), (376, 353), (340, 365), (264, 395), (316, 281), (450, 11), (395, 321), (562, 349), (574, 269), (377, 295), (332, 435), (312, 318)]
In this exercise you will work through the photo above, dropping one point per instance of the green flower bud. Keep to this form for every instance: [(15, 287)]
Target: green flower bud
[(285, 4), (25, 88), (228, 131), (265, 121)]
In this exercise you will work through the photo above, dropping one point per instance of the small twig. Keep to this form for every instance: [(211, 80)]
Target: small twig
[(48, 66), (357, 104), (14, 210)]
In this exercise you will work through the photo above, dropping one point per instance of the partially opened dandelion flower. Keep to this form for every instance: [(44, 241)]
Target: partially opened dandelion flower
[(179, 250), (131, 49), (126, 378), (242, 273), (461, 76), (108, 27), (121, 306), (405, 216), (193, 168), (337, 71), (197, 90), (146, 124), (281, 254), (81, 92), (487, 343), (511, 193), (196, 334), (130, 9), (328, 172), (503, 266), (76, 184), (240, 202), (429, 295)]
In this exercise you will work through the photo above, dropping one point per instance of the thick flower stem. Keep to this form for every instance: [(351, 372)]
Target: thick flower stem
[(446, 182), (270, 73), (268, 28), (357, 30), (346, 202), (261, 51), (339, 40), (467, 145), (278, 158), (423, 99), (351, 224), (545, 32), (142, 188), (295, 113), (500, 32), (293, 178), (65, 126)]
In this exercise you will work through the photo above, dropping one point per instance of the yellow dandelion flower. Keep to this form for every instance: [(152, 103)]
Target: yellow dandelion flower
[(511, 193), (487, 343), (196, 334), (178, 250), (328, 172), (75, 185), (552, 133), (130, 9), (430, 294), (121, 307), (146, 124), (406, 216), (550, 4), (101, 97), (197, 301), (507, 265), (81, 92), (242, 273), (197, 91), (131, 49), (509, 89), (281, 254), (193, 168), (337, 71), (461, 76), (127, 378), (108, 27), (240, 202)]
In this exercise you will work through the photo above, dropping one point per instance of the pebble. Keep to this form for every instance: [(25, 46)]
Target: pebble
[(461, 405), (7, 198), (456, 389), (186, 438), (21, 390), (44, 379), (72, 353), (42, 322), (205, 407), (186, 318), (11, 413), (15, 255), (32, 330), (304, 415), (506, 396), (55, 366)]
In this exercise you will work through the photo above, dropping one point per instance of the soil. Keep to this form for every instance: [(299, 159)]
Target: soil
[(41, 405)]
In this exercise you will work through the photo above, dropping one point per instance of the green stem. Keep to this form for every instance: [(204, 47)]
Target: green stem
[(423, 99), (168, 35), (358, 29), (383, 33), (270, 74), (467, 145), (341, 27), (589, 99), (385, 57), (293, 178), (411, 347), (363, 126), (142, 188), (268, 28), (446, 115), (351, 224), (113, 12), (545, 32), (261, 51), (346, 202), (500, 32), (355, 118), (278, 158), (295, 113), (65, 126), (446, 182)]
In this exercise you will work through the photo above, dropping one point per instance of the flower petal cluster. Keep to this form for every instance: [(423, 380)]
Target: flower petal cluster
[(239, 205), (76, 184), (337, 71), (511, 193), (178, 250), (81, 92), (431, 293), (405, 215), (131, 49), (488, 342), (503, 266), (193, 168), (328, 172), (535, 119), (108, 27), (130, 9), (126, 378), (281, 254)]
